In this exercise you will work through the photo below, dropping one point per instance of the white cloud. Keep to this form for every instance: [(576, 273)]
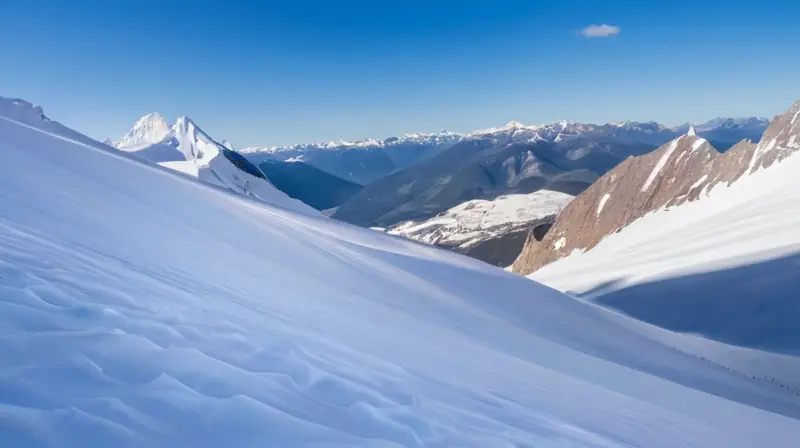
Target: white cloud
[(600, 31)]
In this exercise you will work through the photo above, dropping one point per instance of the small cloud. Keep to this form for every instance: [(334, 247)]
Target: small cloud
[(600, 31)]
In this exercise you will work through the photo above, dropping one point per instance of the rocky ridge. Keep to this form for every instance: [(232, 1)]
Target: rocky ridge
[(682, 170)]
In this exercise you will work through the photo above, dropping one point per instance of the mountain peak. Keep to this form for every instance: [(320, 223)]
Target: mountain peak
[(153, 117), (148, 130), (691, 132)]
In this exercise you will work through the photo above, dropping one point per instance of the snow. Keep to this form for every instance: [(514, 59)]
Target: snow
[(698, 143), (408, 138), (661, 163), (724, 266), (148, 130), (794, 118), (512, 208), (691, 132), (183, 166), (560, 243), (476, 220), (602, 203), (144, 308), (187, 149), (699, 182), (761, 149)]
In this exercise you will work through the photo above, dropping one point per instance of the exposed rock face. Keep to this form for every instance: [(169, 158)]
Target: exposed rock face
[(681, 170)]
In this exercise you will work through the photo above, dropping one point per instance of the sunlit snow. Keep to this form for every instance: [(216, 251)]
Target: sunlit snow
[(142, 308)]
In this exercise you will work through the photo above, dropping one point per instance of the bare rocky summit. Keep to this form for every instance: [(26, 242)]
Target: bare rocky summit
[(681, 170)]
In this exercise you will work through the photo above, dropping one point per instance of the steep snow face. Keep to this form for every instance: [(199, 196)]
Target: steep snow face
[(725, 266), (148, 130), (140, 308), (187, 149), (478, 220)]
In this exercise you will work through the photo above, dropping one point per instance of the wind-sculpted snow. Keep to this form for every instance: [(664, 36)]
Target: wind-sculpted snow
[(140, 308)]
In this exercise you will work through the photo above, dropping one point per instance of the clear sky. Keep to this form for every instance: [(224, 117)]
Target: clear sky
[(264, 73)]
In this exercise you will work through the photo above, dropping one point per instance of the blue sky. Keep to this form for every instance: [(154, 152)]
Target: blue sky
[(262, 73)]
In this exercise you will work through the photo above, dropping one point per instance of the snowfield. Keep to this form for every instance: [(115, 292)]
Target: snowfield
[(142, 308), (480, 219)]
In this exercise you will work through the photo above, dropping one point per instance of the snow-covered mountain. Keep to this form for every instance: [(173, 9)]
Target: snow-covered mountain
[(147, 131), (682, 170), (509, 160), (625, 132), (725, 266), (360, 161), (186, 148), (724, 132), (491, 231), (365, 161), (515, 159), (142, 308), (755, 123)]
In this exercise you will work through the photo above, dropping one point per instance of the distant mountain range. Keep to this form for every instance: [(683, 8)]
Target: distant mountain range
[(365, 161), (517, 159), (400, 182), (361, 161)]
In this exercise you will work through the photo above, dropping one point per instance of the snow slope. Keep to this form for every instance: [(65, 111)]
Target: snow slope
[(478, 220), (142, 308), (187, 149), (725, 266)]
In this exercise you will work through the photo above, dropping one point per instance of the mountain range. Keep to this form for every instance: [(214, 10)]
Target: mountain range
[(565, 157), (164, 292), (368, 160), (362, 161), (418, 176)]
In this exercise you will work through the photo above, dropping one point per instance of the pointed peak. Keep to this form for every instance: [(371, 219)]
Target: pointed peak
[(514, 124), (183, 120), (151, 118), (185, 125), (148, 130), (691, 132)]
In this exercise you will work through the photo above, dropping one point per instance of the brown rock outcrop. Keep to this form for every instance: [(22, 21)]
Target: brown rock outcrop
[(677, 172)]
